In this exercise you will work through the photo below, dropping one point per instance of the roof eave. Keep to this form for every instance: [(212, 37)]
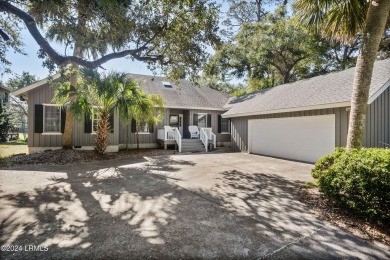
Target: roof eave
[(23, 91), (292, 109)]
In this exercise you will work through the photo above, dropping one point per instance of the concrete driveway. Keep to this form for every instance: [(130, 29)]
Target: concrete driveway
[(227, 205)]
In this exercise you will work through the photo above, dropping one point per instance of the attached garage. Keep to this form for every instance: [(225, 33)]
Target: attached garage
[(298, 138), (307, 119)]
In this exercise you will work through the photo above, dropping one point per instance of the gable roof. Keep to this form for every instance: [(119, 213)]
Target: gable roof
[(23, 91), (327, 91), (183, 94), (4, 89)]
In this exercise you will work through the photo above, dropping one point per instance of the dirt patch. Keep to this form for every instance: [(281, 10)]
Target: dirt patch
[(62, 156), (348, 221), (10, 149)]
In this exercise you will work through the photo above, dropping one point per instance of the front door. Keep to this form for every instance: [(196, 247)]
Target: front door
[(177, 121)]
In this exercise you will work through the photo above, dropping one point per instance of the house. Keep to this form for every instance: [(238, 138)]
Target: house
[(4, 95), (307, 119), (185, 105)]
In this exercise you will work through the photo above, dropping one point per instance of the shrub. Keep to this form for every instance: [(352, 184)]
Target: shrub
[(358, 180)]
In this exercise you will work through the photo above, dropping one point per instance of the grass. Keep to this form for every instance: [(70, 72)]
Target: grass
[(311, 184), (15, 142)]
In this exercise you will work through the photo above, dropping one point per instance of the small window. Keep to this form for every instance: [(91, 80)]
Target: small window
[(202, 120), (51, 119), (225, 125), (143, 128)]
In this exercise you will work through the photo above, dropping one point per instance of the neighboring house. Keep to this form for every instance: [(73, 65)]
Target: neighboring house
[(306, 119), (4, 95), (185, 105)]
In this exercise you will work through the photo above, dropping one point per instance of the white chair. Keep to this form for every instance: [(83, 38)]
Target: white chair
[(194, 131)]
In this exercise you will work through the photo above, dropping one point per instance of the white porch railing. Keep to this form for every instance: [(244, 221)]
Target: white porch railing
[(211, 136), (166, 133), (178, 139), (204, 138)]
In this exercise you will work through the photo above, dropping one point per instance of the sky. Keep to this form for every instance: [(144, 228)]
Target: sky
[(32, 64)]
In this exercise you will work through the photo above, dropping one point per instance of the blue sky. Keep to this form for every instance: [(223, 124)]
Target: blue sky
[(32, 64)]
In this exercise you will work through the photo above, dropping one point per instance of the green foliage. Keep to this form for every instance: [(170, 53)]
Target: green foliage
[(105, 94), (4, 122), (168, 35), (20, 81), (268, 53), (10, 40), (340, 20), (357, 180)]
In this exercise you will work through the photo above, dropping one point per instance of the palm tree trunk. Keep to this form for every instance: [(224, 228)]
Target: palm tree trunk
[(102, 133), (376, 19)]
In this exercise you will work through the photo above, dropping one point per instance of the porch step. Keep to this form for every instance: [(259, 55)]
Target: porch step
[(192, 145)]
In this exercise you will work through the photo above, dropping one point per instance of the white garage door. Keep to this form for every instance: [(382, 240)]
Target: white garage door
[(299, 138)]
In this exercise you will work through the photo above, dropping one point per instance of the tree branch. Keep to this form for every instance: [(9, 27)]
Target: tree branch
[(4, 35), (61, 60)]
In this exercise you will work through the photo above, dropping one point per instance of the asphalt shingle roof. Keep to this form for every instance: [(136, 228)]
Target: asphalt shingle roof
[(183, 94), (331, 88)]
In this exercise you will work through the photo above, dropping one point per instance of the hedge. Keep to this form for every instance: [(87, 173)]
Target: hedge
[(358, 180)]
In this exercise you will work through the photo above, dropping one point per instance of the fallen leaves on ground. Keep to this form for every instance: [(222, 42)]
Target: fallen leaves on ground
[(348, 221), (69, 156)]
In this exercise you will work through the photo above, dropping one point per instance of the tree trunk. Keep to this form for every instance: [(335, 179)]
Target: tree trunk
[(102, 133), (127, 137), (376, 19), (68, 131), (137, 140)]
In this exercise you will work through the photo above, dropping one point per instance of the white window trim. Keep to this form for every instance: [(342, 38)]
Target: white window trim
[(92, 119), (44, 119)]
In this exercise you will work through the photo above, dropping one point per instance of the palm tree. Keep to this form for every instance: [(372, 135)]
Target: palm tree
[(146, 109), (344, 20), (103, 94)]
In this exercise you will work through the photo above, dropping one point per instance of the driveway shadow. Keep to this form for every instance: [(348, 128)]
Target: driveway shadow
[(122, 209)]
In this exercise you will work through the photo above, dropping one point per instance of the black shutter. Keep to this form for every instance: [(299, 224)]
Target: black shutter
[(111, 121), (38, 120), (195, 121), (208, 120), (87, 124), (219, 123), (63, 119), (229, 122), (133, 126), (151, 128)]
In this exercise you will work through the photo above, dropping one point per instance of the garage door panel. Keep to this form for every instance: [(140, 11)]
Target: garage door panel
[(299, 138)]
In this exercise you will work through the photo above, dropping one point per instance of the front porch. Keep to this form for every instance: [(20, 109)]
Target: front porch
[(172, 136)]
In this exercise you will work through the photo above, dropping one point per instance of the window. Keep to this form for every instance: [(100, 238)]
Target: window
[(174, 120), (95, 121), (51, 119), (225, 125), (143, 128), (202, 120)]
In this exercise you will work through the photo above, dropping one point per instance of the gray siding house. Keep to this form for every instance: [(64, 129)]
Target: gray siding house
[(306, 119), (185, 105)]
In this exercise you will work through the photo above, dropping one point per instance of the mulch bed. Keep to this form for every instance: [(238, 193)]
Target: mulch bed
[(347, 221), (67, 156)]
